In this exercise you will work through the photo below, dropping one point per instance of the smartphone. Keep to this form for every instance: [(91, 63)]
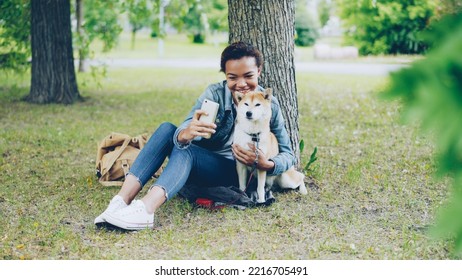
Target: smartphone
[(212, 109)]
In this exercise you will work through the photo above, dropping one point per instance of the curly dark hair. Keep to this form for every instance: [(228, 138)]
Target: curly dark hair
[(239, 50)]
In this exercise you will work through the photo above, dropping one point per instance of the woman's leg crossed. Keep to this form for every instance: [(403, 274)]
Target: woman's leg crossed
[(196, 165)]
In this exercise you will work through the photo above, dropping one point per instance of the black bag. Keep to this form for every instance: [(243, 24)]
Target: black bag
[(225, 196)]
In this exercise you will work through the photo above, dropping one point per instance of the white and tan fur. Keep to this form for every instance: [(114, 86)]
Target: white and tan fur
[(253, 117)]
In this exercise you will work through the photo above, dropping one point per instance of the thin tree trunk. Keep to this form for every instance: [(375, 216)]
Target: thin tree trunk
[(53, 74), (269, 25), (83, 60), (133, 39)]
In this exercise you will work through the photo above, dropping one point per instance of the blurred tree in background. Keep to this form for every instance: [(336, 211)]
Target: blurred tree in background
[(306, 25), (99, 20), (324, 11), (195, 22), (140, 14), (218, 16), (175, 11), (386, 26), (104, 21), (431, 90), (198, 17)]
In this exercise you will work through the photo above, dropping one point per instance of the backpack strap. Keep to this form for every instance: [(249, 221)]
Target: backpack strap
[(116, 156), (140, 139), (125, 166)]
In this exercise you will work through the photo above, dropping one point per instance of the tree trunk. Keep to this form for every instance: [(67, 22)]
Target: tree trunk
[(83, 60), (53, 75), (269, 25), (133, 38)]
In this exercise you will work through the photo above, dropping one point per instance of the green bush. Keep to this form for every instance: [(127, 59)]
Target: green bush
[(198, 38), (14, 34), (431, 92), (386, 26)]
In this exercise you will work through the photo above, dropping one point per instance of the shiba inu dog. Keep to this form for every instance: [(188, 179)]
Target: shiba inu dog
[(253, 125)]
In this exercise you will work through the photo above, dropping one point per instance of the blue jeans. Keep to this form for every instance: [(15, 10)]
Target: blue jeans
[(193, 165)]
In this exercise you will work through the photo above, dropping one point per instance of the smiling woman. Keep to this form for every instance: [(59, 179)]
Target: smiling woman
[(194, 157), (242, 74), (242, 66)]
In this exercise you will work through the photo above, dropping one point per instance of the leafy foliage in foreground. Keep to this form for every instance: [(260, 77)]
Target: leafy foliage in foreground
[(312, 159), (431, 92)]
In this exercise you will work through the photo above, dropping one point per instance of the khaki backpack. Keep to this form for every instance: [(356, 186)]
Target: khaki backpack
[(116, 153)]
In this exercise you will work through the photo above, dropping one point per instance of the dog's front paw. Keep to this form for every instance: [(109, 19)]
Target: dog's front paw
[(261, 201), (302, 189), (261, 197)]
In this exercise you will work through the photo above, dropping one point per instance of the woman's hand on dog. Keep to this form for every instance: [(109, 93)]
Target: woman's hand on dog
[(249, 157), (196, 128)]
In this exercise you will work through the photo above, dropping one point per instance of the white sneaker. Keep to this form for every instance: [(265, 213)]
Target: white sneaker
[(116, 203), (132, 217)]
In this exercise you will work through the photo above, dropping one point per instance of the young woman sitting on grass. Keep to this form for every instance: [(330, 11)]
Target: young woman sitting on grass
[(192, 157)]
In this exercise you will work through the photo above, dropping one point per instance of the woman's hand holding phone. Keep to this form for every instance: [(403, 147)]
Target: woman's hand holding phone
[(202, 123)]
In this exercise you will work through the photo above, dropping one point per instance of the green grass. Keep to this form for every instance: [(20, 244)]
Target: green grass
[(376, 196)]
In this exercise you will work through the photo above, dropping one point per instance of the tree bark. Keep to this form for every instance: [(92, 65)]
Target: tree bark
[(53, 74), (269, 25)]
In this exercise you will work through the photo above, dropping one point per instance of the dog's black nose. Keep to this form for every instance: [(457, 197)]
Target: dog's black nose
[(248, 114)]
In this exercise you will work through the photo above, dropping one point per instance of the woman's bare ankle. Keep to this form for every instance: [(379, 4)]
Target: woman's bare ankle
[(130, 188), (154, 199)]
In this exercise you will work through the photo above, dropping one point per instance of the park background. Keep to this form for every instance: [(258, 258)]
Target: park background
[(373, 191)]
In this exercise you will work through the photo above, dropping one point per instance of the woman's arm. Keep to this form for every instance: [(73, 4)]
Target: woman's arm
[(195, 128), (286, 158), (192, 128)]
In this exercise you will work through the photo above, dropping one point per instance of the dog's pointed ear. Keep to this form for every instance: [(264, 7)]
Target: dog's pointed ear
[(268, 93), (239, 95)]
